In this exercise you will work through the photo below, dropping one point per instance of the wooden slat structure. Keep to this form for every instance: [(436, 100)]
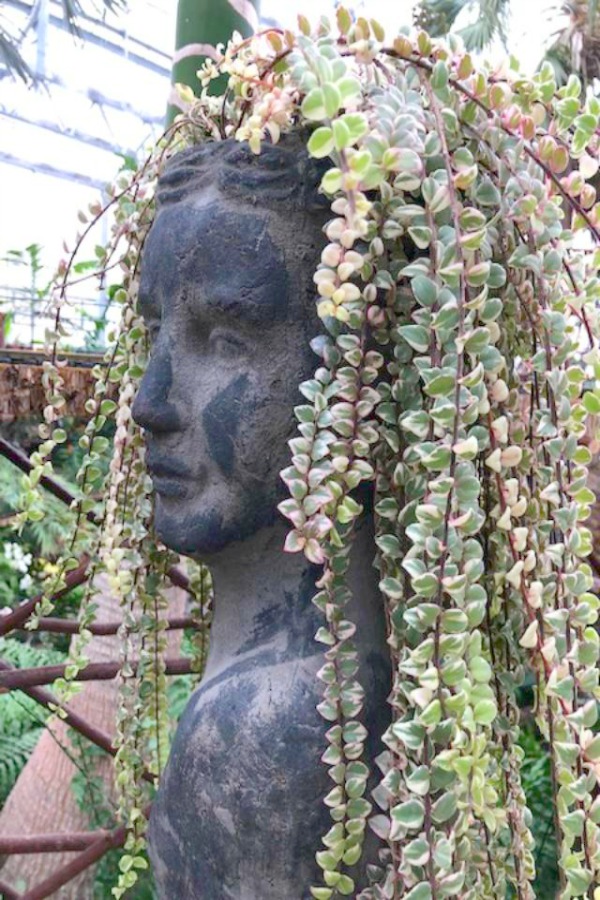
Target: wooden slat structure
[(21, 391)]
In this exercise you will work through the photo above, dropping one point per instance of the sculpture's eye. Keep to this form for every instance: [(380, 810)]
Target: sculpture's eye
[(227, 344), (153, 328)]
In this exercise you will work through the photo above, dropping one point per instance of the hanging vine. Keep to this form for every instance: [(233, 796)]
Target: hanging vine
[(459, 376)]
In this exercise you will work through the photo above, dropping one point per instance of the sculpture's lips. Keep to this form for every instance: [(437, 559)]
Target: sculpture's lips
[(168, 477)]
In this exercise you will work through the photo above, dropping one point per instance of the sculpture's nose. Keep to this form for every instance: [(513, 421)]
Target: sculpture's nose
[(152, 408)]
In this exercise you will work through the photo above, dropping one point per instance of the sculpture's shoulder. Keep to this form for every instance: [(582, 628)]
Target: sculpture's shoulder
[(240, 811)]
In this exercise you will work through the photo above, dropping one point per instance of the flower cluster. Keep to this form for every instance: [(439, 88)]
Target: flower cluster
[(20, 562)]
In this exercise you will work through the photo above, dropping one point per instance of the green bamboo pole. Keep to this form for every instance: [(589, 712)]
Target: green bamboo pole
[(201, 25)]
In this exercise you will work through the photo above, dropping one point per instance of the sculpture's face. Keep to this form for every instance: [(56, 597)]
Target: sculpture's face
[(225, 292)]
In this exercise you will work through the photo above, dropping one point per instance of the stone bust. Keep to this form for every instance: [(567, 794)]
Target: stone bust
[(227, 293)]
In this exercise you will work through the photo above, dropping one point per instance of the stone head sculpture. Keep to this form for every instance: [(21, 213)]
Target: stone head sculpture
[(227, 293)]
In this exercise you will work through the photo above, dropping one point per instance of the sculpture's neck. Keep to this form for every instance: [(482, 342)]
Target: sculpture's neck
[(263, 598)]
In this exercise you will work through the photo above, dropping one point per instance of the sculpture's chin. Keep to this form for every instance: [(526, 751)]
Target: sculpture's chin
[(190, 535), (205, 533)]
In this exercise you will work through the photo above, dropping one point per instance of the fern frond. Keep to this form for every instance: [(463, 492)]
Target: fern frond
[(14, 753), (438, 17), (19, 714), (492, 22), (25, 656), (21, 718), (48, 535)]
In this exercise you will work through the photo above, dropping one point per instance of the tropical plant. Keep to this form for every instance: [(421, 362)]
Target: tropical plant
[(11, 38), (573, 50), (459, 373), (490, 20), (576, 48)]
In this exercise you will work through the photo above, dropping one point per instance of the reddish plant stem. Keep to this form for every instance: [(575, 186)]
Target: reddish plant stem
[(428, 828), (543, 294), (502, 698), (248, 103), (537, 658), (33, 677), (558, 832), (489, 856), (579, 314), (565, 499), (462, 300), (531, 615)]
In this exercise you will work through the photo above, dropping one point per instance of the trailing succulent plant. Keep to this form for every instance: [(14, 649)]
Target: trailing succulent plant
[(459, 377)]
